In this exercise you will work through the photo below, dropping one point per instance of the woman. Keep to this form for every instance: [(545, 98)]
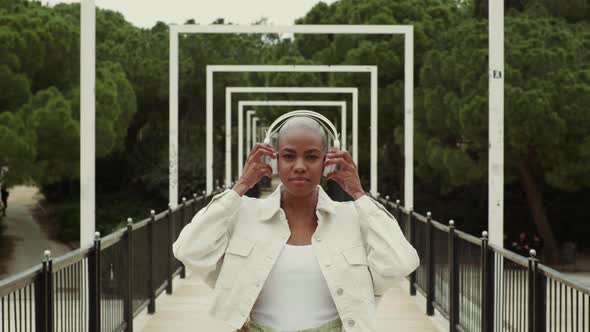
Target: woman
[(296, 260)]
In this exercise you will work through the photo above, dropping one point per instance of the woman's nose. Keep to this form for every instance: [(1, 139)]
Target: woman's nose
[(299, 165)]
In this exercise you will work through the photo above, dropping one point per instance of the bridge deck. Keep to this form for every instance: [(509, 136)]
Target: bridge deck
[(186, 310)]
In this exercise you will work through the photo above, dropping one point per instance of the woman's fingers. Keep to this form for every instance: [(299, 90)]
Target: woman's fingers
[(264, 170), (339, 161), (341, 154), (260, 150)]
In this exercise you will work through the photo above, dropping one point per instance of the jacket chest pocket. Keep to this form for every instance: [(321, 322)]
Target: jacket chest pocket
[(235, 259), (357, 268)]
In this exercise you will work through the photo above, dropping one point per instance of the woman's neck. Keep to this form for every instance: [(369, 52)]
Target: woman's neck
[(299, 205)]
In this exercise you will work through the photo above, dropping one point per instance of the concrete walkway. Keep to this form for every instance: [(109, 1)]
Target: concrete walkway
[(186, 310), (23, 241)]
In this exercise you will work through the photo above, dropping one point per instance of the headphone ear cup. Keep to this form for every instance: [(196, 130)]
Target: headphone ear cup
[(271, 162), (329, 169)]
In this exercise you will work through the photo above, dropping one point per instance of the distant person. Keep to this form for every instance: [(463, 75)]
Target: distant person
[(521, 245), (4, 193)]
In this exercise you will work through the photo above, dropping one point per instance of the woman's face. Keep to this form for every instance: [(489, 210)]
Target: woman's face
[(301, 161)]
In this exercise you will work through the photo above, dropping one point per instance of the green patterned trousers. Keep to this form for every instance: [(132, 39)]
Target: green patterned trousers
[(331, 326)]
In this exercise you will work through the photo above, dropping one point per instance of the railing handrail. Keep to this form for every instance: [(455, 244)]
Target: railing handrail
[(12, 282), (41, 274), (539, 279)]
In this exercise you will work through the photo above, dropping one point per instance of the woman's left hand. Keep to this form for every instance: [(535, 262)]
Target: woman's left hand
[(347, 176)]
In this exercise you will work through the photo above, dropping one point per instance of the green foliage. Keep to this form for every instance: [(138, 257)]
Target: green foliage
[(546, 97)]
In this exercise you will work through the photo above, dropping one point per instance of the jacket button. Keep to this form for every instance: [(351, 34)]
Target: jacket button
[(350, 322), (339, 291)]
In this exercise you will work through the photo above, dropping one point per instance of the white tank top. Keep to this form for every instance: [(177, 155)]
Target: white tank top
[(295, 295)]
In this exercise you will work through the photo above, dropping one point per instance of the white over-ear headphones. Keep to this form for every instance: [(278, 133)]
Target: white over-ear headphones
[(322, 120)]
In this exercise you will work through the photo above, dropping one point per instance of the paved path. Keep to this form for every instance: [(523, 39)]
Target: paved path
[(23, 241), (186, 310)]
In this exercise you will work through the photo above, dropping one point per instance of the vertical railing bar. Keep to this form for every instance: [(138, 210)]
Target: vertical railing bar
[(50, 294), (484, 282), (169, 250), (20, 309), (7, 311), (430, 266), (572, 314), (453, 296), (411, 234), (128, 302), (70, 307), (151, 266)]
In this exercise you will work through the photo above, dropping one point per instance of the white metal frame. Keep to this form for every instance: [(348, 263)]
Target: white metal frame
[(406, 30), (229, 91), (87, 122), (249, 114), (250, 103), (87, 106), (372, 70)]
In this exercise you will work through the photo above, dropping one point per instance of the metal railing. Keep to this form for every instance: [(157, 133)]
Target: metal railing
[(473, 284), (101, 287), (477, 286)]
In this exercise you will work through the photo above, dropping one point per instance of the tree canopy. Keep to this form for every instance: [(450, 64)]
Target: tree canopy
[(547, 122)]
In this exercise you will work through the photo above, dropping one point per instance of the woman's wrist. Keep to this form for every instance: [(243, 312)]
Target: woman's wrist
[(357, 194), (240, 188)]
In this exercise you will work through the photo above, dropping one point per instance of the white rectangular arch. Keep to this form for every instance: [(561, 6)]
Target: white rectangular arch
[(229, 91), (406, 30), (372, 70), (251, 103)]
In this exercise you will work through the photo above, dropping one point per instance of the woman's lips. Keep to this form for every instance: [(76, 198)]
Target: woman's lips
[(298, 180)]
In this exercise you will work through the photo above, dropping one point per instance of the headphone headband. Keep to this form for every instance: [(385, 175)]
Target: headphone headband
[(322, 120)]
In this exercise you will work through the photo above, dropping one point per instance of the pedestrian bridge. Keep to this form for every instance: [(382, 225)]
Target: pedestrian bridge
[(129, 280)]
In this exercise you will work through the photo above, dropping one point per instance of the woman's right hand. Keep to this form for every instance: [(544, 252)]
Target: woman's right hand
[(255, 168)]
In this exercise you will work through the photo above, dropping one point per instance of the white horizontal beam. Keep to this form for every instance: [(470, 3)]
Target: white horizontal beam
[(290, 68), (304, 29), (291, 103), (282, 89)]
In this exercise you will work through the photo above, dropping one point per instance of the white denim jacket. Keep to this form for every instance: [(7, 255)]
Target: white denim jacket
[(233, 243)]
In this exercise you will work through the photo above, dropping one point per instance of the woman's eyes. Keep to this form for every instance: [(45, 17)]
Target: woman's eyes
[(291, 157)]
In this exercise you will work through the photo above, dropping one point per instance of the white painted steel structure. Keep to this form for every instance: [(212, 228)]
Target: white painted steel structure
[(496, 124), (254, 128), (229, 91), (87, 122), (372, 70), (251, 103), (87, 106), (406, 30), (249, 114), (496, 146)]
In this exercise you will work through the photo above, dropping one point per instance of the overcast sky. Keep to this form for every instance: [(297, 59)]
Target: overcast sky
[(145, 13)]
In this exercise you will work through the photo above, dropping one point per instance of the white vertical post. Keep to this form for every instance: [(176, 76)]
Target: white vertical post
[(496, 124), (209, 136), (249, 115), (409, 120), (374, 87), (87, 122), (173, 120), (496, 146), (228, 135), (343, 125), (254, 137), (240, 141), (355, 128)]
